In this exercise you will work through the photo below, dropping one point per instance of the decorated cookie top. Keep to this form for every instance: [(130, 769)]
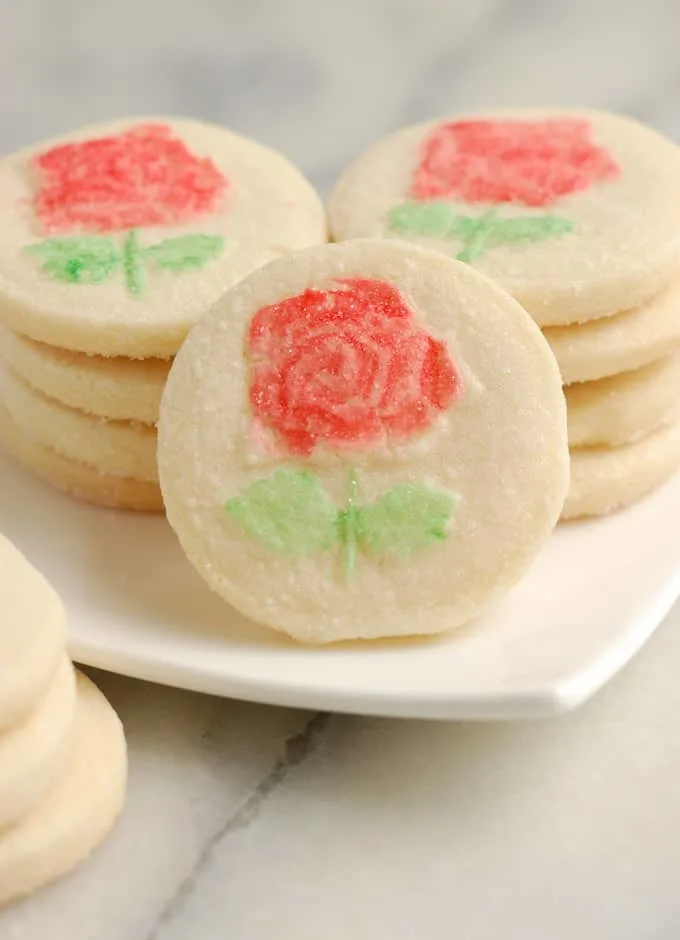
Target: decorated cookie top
[(363, 440), (116, 238), (576, 214)]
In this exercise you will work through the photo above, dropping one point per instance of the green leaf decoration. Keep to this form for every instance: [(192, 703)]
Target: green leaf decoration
[(291, 515), (91, 259), (477, 233), (405, 520), (289, 512), (86, 259), (435, 219), (184, 252)]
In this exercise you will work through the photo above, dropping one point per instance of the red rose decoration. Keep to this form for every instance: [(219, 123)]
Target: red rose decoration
[(529, 162), (140, 177), (345, 367)]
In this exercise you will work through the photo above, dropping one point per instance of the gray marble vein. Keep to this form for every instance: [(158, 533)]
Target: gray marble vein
[(296, 750), (198, 766)]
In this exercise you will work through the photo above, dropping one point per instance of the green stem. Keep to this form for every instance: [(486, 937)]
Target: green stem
[(476, 242), (134, 280), (349, 519)]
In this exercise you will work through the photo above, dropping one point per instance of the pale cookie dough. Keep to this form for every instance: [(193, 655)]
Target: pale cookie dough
[(607, 478), (115, 388), (79, 812), (575, 213), (118, 244), (386, 459), (624, 407), (75, 478), (34, 751), (118, 448), (32, 634), (620, 343)]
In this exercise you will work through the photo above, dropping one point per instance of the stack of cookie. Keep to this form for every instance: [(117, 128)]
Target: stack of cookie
[(63, 764), (577, 215), (622, 385), (116, 240)]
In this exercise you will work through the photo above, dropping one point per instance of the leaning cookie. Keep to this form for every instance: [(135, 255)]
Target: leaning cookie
[(117, 237), (363, 440), (575, 213)]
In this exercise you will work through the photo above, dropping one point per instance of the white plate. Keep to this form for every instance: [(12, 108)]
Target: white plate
[(136, 607)]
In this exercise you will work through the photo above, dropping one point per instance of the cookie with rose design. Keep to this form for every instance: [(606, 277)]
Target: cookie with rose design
[(363, 440), (117, 237), (576, 214)]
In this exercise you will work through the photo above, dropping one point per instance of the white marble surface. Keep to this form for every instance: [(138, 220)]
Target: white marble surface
[(250, 823)]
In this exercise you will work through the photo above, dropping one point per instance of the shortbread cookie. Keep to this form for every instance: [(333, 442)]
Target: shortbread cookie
[(75, 478), (116, 238), (34, 752), (116, 388), (118, 448), (621, 343), (81, 809), (32, 634), (624, 407), (576, 214), (363, 440), (607, 478)]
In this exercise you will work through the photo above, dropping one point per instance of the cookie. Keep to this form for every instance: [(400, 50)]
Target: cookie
[(34, 752), (32, 634), (116, 238), (607, 478), (621, 343), (116, 388), (575, 213), (81, 809), (117, 448), (74, 478), (363, 440), (624, 407)]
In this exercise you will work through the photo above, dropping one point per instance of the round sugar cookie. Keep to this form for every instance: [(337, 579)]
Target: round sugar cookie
[(118, 448), (604, 479), (81, 809), (575, 213), (116, 388), (74, 478), (624, 407), (117, 237), (622, 343), (363, 440), (33, 752), (32, 634)]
